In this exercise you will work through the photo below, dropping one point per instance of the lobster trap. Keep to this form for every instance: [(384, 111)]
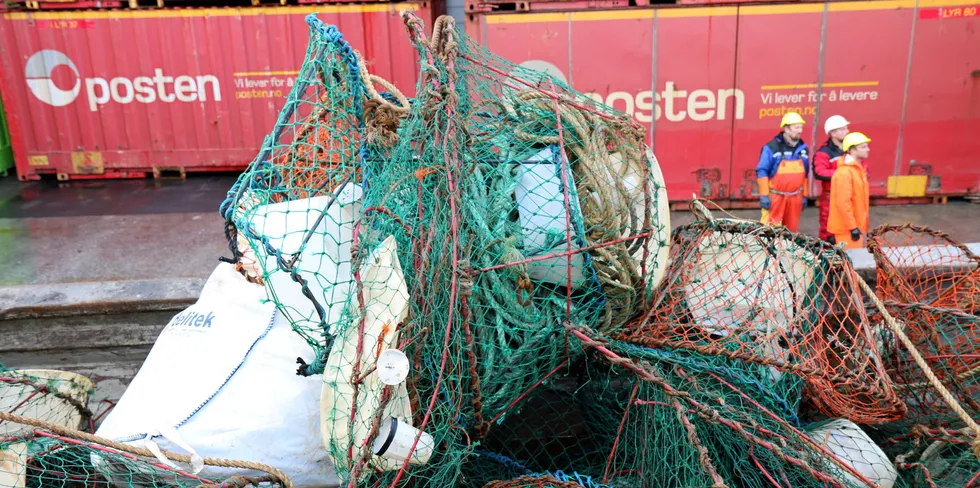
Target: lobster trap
[(778, 303), (947, 340), (919, 265)]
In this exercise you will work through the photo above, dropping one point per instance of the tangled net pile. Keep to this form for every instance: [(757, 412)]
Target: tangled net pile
[(486, 275), (502, 206)]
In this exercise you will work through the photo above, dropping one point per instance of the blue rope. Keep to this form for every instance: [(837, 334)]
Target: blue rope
[(574, 477), (504, 460)]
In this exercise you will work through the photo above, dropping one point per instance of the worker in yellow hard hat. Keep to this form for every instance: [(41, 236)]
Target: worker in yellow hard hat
[(782, 174), (849, 193)]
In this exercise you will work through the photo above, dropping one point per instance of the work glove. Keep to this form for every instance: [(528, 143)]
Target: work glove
[(764, 202), (805, 203), (855, 234)]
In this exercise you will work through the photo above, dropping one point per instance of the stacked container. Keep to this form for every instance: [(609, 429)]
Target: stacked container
[(158, 92), (711, 83)]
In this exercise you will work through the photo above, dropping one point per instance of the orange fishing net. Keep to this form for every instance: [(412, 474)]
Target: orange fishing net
[(762, 296), (323, 141), (929, 282), (920, 265)]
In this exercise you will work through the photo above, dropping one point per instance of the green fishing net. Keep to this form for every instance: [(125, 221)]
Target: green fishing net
[(36, 457), (43, 416), (457, 232), (53, 396)]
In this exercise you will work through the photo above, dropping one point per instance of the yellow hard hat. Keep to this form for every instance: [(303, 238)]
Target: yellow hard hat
[(791, 118), (854, 139)]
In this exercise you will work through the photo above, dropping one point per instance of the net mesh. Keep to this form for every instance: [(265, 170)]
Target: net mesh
[(947, 339), (504, 206), (42, 459), (52, 396), (928, 281), (41, 412), (675, 426), (919, 265), (938, 459), (782, 305), (291, 213), (486, 276), (483, 273)]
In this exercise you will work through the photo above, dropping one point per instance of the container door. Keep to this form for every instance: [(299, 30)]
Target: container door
[(942, 117), (778, 68), (864, 73), (696, 101)]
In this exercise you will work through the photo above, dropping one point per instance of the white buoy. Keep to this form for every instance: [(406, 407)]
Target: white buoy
[(852, 445), (43, 406), (393, 366), (545, 219), (750, 287), (657, 254), (386, 297)]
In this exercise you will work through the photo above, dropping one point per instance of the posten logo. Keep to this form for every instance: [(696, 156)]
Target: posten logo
[(671, 103), (38, 72), (40, 75)]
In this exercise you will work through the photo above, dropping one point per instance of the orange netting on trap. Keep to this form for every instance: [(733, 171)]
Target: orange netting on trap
[(754, 295), (323, 141), (929, 282), (920, 265)]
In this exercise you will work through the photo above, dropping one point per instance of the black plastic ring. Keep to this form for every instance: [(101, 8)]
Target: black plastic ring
[(391, 437)]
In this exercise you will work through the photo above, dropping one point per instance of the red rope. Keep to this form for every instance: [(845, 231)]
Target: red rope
[(763, 470), (619, 433)]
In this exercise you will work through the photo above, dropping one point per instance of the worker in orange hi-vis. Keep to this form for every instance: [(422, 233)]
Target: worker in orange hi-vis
[(782, 174), (849, 194)]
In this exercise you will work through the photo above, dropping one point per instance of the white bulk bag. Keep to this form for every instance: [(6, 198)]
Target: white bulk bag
[(324, 260), (221, 380)]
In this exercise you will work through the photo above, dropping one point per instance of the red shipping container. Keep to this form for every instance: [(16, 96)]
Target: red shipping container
[(96, 94), (711, 83)]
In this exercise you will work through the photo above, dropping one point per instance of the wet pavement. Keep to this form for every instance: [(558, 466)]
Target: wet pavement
[(151, 229), (117, 230)]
